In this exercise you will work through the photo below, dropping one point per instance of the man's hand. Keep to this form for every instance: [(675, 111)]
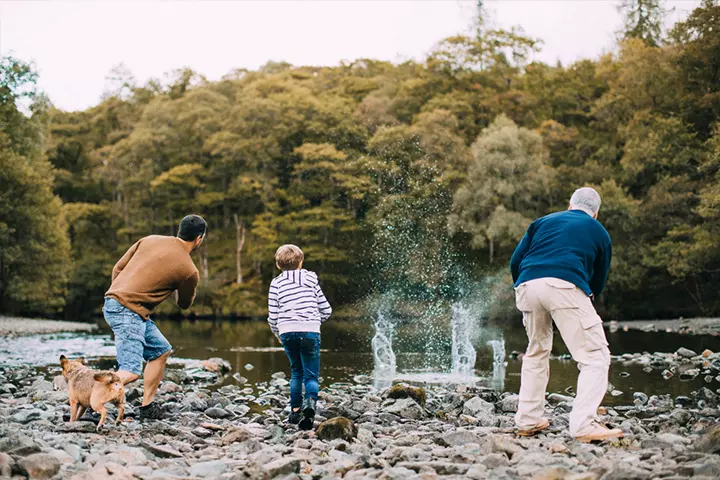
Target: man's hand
[(278, 339)]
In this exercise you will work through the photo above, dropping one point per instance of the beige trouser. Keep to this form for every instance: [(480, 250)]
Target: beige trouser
[(542, 301)]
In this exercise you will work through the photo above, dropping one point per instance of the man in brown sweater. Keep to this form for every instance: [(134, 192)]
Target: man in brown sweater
[(148, 273)]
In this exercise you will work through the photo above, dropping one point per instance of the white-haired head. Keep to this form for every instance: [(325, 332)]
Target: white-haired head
[(587, 200)]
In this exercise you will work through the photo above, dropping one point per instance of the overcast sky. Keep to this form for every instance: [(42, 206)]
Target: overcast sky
[(75, 44)]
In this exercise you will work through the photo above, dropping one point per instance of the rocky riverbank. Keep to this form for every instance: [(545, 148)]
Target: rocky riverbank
[(29, 326), (454, 431), (693, 326)]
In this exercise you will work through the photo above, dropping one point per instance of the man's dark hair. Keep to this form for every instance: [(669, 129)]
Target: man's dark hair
[(192, 227)]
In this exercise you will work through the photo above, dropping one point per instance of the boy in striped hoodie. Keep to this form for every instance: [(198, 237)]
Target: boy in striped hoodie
[(296, 308)]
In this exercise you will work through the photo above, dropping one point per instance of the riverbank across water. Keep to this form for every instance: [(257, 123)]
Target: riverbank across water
[(28, 326)]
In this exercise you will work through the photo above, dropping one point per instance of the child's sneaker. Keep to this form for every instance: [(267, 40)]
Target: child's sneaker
[(295, 416), (308, 412)]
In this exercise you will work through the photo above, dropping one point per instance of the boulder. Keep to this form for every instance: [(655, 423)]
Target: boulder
[(337, 428), (401, 390), (406, 408), (685, 353)]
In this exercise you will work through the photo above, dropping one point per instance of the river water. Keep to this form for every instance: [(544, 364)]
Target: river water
[(347, 352)]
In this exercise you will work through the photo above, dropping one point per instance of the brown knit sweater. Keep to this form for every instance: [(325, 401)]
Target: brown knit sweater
[(150, 271)]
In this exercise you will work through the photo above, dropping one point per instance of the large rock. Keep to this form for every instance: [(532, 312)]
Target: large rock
[(28, 415), (685, 353), (402, 390), (78, 427), (406, 408), (337, 428), (476, 406), (41, 385), (509, 404), (40, 465)]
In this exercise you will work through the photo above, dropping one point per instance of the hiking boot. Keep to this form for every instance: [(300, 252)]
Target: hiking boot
[(151, 411), (308, 411), (533, 429), (295, 416), (600, 433)]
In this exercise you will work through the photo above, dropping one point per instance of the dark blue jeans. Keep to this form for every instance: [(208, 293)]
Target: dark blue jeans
[(303, 351)]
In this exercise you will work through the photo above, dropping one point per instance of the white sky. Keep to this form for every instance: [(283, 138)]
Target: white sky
[(75, 44)]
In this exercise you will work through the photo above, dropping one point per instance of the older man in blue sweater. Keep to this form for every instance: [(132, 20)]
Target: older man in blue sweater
[(561, 263)]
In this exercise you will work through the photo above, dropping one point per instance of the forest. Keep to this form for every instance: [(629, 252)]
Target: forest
[(422, 174)]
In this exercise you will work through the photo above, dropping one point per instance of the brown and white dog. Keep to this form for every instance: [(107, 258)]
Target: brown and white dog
[(89, 388)]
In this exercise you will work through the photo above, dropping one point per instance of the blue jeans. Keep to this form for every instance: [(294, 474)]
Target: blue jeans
[(135, 339), (303, 351)]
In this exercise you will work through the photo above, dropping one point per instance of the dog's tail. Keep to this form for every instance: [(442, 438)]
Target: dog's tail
[(106, 377)]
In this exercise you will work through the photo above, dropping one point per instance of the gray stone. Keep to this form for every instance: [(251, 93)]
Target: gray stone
[(709, 441), (211, 469), (41, 385), (689, 374), (685, 353), (556, 398), (509, 404), (79, 427), (282, 466), (63, 457), (495, 460), (216, 412), (441, 468), (477, 472), (639, 398), (40, 465), (162, 451), (459, 437), (74, 451), (406, 408), (477, 406), (28, 415)]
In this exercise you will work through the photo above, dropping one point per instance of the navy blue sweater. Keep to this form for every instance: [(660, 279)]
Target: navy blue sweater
[(569, 245)]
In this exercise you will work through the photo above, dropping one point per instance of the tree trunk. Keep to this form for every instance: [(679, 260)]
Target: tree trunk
[(204, 263), (492, 249), (239, 243)]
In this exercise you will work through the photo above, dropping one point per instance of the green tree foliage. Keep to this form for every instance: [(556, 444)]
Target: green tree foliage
[(508, 185), (385, 174), (34, 256)]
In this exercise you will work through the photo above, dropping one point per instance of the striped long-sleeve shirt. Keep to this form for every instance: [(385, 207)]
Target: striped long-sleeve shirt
[(296, 303)]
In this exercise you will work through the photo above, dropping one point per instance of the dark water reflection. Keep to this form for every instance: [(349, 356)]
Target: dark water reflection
[(347, 352)]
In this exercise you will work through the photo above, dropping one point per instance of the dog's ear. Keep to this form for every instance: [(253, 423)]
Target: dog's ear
[(63, 360), (104, 377)]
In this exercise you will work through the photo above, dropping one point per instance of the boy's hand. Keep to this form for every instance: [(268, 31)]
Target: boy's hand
[(278, 339)]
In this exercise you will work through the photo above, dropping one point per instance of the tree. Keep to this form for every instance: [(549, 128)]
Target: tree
[(507, 185), (643, 20)]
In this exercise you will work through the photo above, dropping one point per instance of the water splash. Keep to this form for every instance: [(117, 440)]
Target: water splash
[(385, 364), (499, 364), (463, 351)]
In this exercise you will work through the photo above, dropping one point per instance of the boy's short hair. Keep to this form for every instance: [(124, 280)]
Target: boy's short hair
[(288, 257)]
